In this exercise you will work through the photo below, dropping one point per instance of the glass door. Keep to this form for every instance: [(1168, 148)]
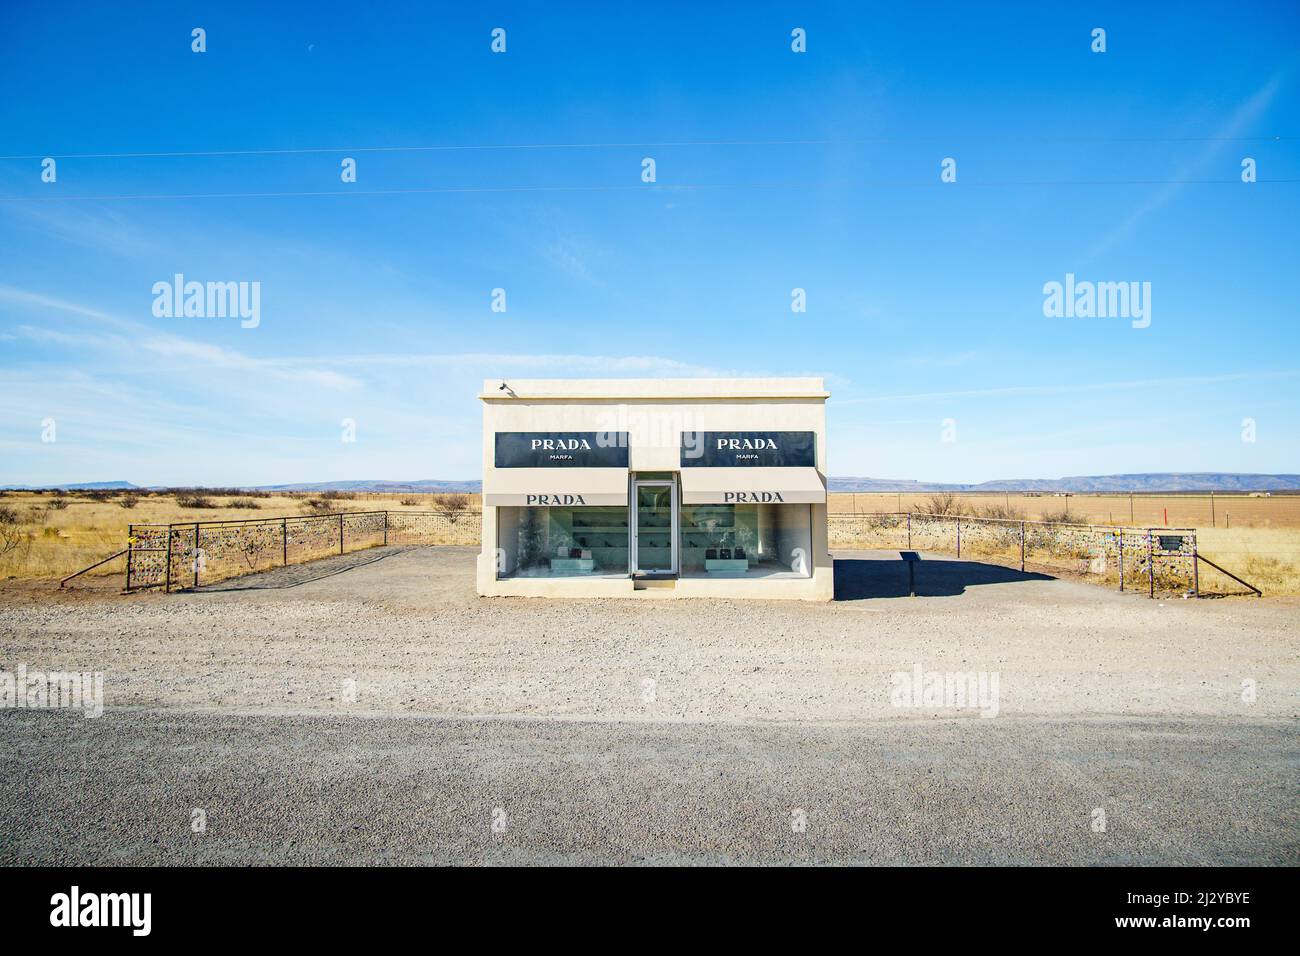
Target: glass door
[(655, 531)]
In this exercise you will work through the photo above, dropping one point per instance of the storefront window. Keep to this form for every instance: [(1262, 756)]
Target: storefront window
[(745, 540), (562, 542)]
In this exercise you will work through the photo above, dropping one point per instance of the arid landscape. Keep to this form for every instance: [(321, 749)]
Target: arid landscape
[(1255, 536), (48, 535)]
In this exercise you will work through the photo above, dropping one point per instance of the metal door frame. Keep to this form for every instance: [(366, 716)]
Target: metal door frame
[(634, 557)]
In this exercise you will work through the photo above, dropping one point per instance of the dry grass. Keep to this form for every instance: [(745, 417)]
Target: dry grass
[(1268, 558), (60, 535), (1179, 511), (1261, 544)]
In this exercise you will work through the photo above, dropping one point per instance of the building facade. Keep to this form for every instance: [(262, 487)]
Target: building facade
[(655, 487)]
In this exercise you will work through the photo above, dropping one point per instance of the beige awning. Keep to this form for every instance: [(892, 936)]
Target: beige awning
[(551, 487), (709, 486)]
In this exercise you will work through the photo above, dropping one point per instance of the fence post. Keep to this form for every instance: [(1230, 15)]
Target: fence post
[(340, 532), (1121, 559), (959, 537), (284, 541), (1196, 569), (130, 533), (167, 581), (385, 529), (196, 554), (1022, 547), (1151, 566), (909, 531)]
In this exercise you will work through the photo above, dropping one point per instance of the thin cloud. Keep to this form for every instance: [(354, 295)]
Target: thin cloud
[(37, 301), (496, 361), (1240, 121), (142, 336), (217, 357)]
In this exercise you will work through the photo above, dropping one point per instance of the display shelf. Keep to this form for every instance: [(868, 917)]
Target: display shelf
[(573, 565)]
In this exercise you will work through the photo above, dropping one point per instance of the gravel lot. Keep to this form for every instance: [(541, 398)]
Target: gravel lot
[(652, 730), (407, 628)]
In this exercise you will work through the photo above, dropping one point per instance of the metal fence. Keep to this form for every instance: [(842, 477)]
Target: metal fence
[(1147, 559), (191, 554)]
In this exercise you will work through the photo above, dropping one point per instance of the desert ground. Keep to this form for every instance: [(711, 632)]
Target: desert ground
[(45, 536), (370, 709)]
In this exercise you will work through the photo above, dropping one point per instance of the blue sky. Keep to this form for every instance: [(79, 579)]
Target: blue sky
[(775, 170)]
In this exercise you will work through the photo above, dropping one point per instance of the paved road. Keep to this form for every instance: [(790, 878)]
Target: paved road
[(319, 789)]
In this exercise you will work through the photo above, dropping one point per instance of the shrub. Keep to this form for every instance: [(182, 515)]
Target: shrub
[(195, 501), (944, 503), (128, 501), (1003, 512), (452, 507), (57, 503), (410, 501), (11, 534), (247, 503)]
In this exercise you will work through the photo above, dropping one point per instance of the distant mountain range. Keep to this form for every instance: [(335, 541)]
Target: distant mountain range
[(426, 486), (83, 486), (1098, 484)]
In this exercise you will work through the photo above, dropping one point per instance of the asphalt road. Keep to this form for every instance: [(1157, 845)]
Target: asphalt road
[(418, 790)]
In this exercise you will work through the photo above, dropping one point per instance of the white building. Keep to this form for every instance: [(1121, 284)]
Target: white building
[(634, 487)]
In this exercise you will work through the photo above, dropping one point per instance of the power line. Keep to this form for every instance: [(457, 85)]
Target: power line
[(642, 187), (669, 144)]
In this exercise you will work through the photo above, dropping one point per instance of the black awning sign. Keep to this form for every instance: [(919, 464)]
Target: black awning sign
[(749, 449), (561, 450)]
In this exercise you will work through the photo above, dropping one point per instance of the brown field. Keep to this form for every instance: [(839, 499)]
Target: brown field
[(1256, 538), (56, 541), (1173, 511)]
